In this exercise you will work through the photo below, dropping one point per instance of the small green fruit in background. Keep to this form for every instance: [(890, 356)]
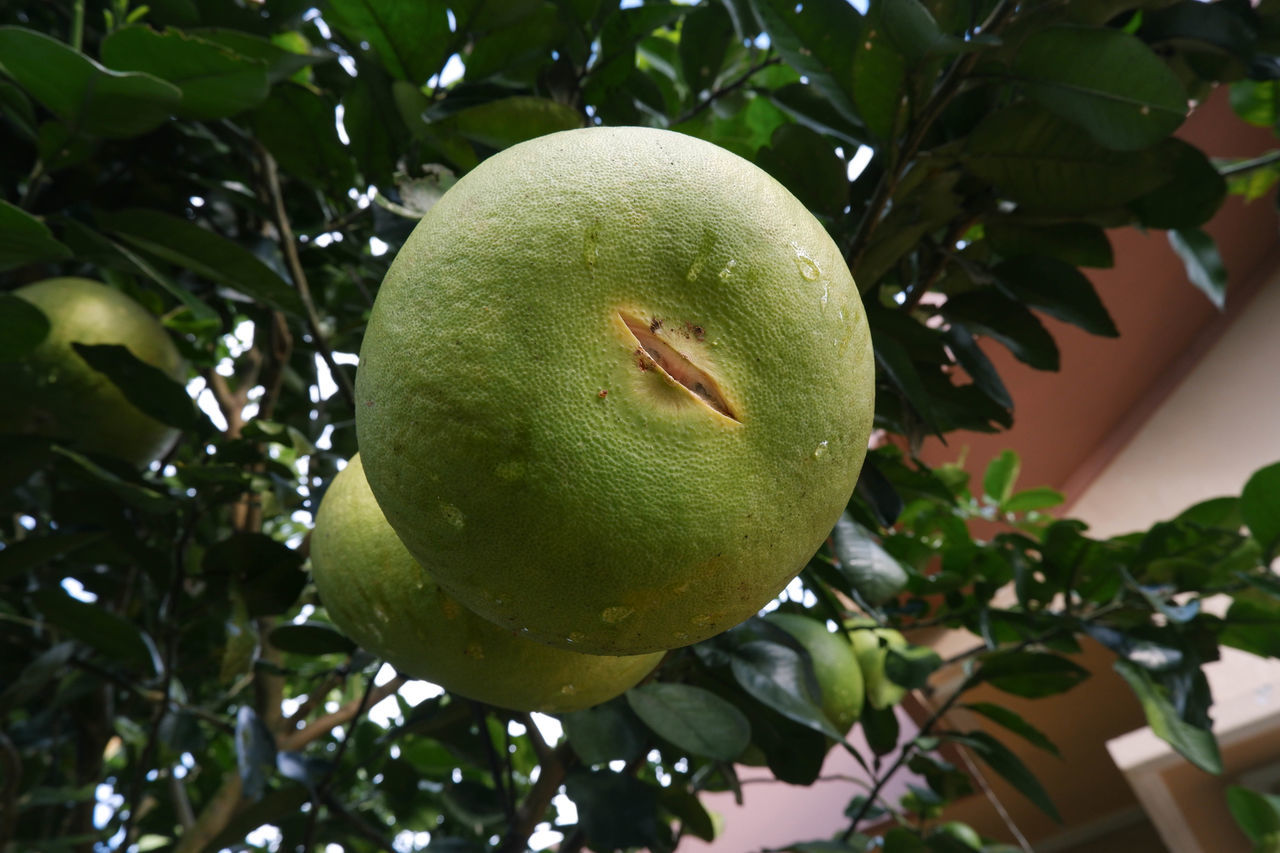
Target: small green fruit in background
[(616, 389), (380, 597), (834, 664), (871, 645), (53, 392)]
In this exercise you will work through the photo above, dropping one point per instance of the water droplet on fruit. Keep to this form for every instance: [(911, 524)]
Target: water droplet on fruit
[(475, 650), (820, 450), (681, 636), (808, 267), (614, 615), (568, 690), (728, 269), (575, 637)]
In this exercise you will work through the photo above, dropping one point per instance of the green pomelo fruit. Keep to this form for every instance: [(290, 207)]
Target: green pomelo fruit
[(53, 392), (871, 645), (380, 597), (959, 832), (834, 664), (616, 389)]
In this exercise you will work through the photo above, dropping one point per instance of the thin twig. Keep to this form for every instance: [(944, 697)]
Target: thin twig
[(321, 792), (299, 276), (320, 726), (1241, 167), (551, 776), (734, 85), (976, 772)]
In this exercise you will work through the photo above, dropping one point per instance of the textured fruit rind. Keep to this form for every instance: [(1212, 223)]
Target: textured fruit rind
[(834, 664), (380, 597), (522, 447), (53, 392)]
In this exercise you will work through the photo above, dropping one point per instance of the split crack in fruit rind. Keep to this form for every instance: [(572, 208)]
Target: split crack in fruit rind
[(548, 506), (675, 365)]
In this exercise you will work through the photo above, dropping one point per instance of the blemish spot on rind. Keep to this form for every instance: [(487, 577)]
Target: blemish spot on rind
[(614, 615), (453, 515)]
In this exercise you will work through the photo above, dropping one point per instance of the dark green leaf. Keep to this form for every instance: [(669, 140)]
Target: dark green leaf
[(92, 624), (989, 312), (255, 751), (48, 665), (912, 30), (975, 363), (1058, 289), (1191, 196), (1257, 101), (1076, 243), (25, 239), (1048, 164), (897, 365), (693, 719), (1031, 674), (1252, 624), (1104, 80), (297, 126), (693, 816), (705, 35), (23, 327), (269, 570), (871, 572), (24, 555), (310, 639), (137, 496), (1199, 254), (911, 666), (1001, 474), (1215, 512), (205, 253), (215, 82), (806, 164), (816, 41), (281, 63), (615, 811), (87, 97), (880, 728), (622, 31), (775, 675), (1197, 745), (503, 123), (1260, 507), (1014, 723), (605, 733), (153, 391), (1002, 760), (411, 39), (1257, 813)]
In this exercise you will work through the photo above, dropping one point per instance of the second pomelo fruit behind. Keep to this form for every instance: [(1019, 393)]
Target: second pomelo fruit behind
[(615, 389), (380, 597), (872, 645), (53, 392), (834, 665)]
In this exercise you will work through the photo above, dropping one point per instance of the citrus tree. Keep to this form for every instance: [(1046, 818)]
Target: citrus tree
[(244, 172)]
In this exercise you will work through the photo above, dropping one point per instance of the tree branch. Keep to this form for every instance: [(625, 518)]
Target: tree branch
[(290, 247), (734, 85), (550, 777), (323, 725)]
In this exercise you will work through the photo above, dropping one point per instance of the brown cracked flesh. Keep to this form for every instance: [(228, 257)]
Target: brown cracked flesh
[(676, 366)]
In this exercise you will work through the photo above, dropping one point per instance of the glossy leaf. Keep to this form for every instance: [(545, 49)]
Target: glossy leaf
[(1031, 674), (410, 38), (149, 388), (871, 571), (502, 123), (775, 675), (806, 164), (309, 639), (1030, 500), (1260, 507), (1197, 745), (215, 82), (816, 43), (205, 253), (694, 719), (89, 98), (95, 626), (976, 363), (605, 733), (1058, 289), (25, 239), (1076, 243), (1105, 81), (989, 312), (1199, 254), (1047, 164), (1001, 759), (1256, 812), (1014, 723)]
